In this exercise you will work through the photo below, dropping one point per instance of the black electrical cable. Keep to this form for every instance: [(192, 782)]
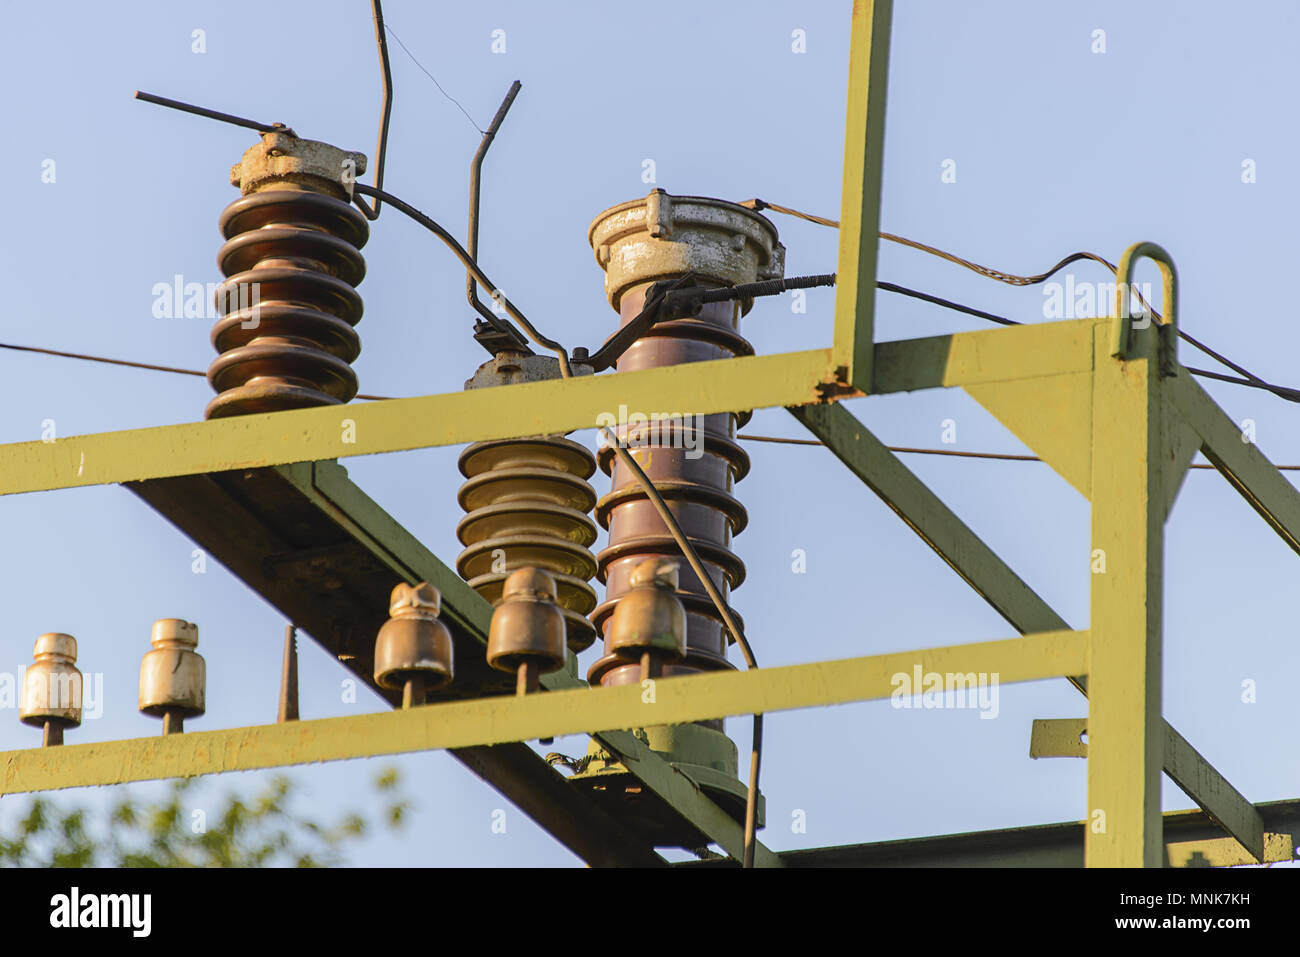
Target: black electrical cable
[(1250, 379), (473, 268), (946, 303)]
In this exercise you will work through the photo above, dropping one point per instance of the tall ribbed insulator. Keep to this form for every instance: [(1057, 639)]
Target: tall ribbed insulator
[(693, 461), (527, 502), (289, 303)]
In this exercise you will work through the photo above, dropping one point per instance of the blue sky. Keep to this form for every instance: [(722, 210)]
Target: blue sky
[(1056, 149)]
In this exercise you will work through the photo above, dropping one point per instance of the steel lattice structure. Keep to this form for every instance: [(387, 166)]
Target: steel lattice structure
[(1103, 401)]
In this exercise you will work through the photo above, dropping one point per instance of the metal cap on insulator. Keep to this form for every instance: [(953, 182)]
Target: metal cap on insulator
[(527, 635), (650, 620), (283, 159), (413, 651), (173, 676), (664, 236), (52, 687), (292, 263)]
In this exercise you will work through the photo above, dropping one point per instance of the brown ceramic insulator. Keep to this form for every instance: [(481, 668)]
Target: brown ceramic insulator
[(527, 626), (413, 650), (528, 502), (289, 303), (695, 482)]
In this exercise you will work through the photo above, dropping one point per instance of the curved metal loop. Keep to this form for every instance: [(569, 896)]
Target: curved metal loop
[(371, 211), (1123, 321)]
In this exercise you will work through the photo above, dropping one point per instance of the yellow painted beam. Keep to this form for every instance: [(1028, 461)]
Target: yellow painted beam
[(1125, 728), (1225, 852), (457, 418), (1050, 414), (488, 721), (864, 134), (984, 356), (308, 435)]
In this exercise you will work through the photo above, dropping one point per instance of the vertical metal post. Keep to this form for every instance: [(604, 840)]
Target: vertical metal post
[(1125, 728), (288, 710), (864, 131)]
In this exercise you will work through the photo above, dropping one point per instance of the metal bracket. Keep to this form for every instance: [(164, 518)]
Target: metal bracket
[(1227, 852), (1058, 738)]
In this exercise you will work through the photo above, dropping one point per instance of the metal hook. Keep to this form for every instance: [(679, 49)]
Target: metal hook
[(1123, 321)]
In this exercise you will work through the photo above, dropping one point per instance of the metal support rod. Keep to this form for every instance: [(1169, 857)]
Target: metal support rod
[(212, 114), (53, 734), (413, 691), (289, 677), (173, 722), (381, 145), (526, 678), (471, 237)]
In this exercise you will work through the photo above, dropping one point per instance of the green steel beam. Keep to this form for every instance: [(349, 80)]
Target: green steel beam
[(1190, 840), (683, 794), (327, 484), (314, 546), (1063, 738), (1245, 467), (864, 136), (980, 567), (500, 720), (1213, 793)]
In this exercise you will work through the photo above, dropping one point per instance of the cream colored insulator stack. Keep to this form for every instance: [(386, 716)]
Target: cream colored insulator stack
[(173, 676), (51, 696)]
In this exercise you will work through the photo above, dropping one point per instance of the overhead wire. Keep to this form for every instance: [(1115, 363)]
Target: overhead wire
[(125, 362), (957, 453), (407, 51), (1250, 379)]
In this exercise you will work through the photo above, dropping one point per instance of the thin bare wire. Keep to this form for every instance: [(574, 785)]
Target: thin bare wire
[(434, 79), (782, 440)]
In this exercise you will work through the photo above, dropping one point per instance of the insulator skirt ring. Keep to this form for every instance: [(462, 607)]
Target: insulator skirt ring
[(285, 339)]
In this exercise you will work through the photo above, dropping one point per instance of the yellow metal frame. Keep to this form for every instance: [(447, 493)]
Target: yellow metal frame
[(1102, 401)]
